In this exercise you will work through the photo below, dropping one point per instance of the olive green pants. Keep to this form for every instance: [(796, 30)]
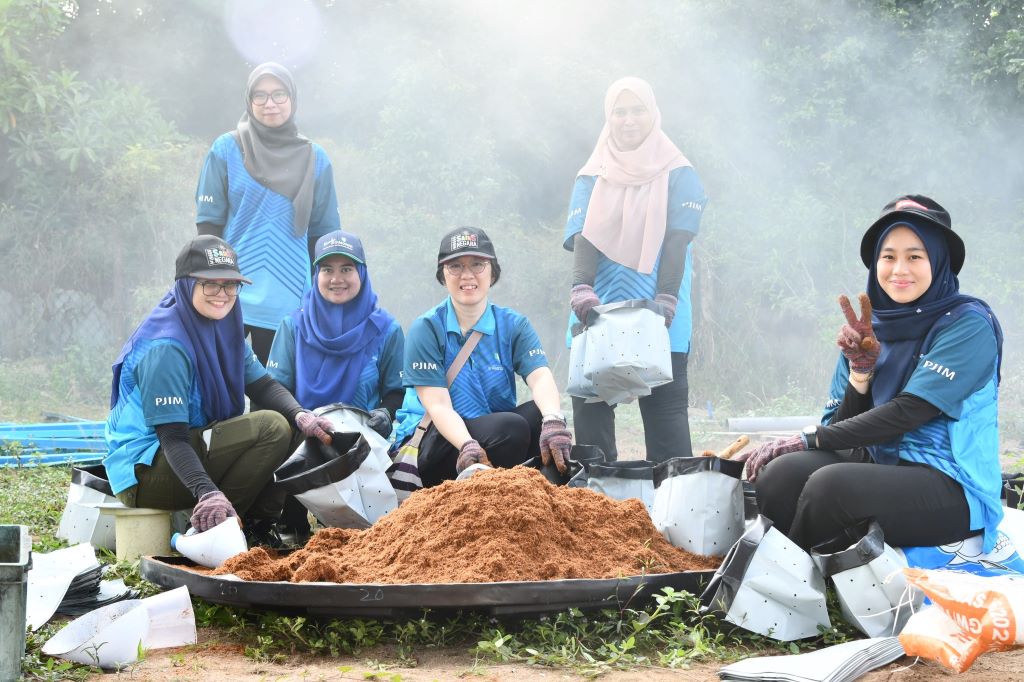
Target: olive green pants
[(240, 455)]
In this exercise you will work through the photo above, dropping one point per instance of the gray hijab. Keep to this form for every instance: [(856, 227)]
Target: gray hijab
[(278, 158)]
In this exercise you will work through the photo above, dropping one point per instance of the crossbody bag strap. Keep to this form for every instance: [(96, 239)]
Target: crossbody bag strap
[(453, 371)]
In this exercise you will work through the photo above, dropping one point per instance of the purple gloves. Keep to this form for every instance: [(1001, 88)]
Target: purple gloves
[(470, 453), (757, 458), (314, 427), (582, 300), (555, 443), (856, 338), (380, 421), (211, 509), (668, 305)]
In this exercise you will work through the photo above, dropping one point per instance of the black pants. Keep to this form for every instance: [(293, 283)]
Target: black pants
[(813, 496), (261, 340), (509, 438), (666, 422)]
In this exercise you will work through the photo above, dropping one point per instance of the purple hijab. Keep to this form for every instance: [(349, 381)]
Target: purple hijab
[(215, 347), (333, 342)]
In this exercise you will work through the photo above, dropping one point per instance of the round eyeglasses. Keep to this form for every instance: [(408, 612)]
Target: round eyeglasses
[(476, 267)]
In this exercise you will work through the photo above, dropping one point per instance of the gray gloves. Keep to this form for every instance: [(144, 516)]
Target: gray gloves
[(555, 443), (470, 453), (380, 421), (581, 300), (668, 304), (314, 427), (211, 509)]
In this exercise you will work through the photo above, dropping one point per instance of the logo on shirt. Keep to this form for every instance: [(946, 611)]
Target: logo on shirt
[(168, 400), (463, 241), (939, 369), (575, 212), (219, 256), (205, 198), (536, 351), (424, 365), (272, 364), (691, 204)]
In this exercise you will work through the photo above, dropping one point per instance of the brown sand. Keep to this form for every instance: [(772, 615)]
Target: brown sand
[(501, 525)]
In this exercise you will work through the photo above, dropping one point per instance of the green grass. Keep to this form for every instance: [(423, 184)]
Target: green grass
[(669, 632)]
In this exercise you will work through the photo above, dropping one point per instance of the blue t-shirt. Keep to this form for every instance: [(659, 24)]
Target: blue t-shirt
[(258, 224), (158, 385), (487, 382), (381, 375), (616, 282), (957, 374)]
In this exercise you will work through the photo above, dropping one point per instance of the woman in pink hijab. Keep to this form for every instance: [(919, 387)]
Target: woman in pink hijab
[(635, 208)]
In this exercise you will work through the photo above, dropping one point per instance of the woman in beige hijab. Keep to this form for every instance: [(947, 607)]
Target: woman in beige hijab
[(635, 208)]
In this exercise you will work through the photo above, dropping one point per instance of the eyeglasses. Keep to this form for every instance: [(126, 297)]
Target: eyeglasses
[(259, 98), (214, 288), (476, 267)]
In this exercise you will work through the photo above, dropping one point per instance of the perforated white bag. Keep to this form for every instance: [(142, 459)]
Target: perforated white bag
[(623, 353), (768, 585), (698, 503)]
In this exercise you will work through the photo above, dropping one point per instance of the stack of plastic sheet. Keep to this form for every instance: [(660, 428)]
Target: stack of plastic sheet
[(69, 581), (838, 663)]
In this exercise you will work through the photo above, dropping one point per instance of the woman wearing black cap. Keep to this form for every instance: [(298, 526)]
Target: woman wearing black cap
[(269, 192), (176, 434), (474, 417), (909, 436)]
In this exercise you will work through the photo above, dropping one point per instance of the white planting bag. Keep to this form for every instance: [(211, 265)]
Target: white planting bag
[(579, 385), (698, 503), (82, 520), (768, 585), (625, 354), (869, 580), (344, 485), (624, 480)]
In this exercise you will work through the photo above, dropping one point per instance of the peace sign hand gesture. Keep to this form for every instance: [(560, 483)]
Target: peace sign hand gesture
[(856, 339)]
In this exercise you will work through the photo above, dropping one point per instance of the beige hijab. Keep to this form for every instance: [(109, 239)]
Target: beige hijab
[(629, 206)]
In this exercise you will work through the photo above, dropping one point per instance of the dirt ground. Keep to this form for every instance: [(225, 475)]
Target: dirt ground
[(212, 660)]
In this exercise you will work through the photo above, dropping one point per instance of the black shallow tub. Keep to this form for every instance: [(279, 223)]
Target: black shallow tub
[(346, 599)]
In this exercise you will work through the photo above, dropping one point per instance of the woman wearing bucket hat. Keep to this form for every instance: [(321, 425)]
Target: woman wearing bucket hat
[(176, 434), (341, 346), (476, 419), (269, 192), (909, 435), (635, 207)]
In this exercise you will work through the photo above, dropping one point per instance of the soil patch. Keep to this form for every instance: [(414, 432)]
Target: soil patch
[(500, 525)]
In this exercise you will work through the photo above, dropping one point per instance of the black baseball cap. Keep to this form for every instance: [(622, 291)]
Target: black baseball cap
[(208, 257), (465, 241), (914, 207)]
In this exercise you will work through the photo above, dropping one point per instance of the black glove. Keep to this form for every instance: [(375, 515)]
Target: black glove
[(380, 421)]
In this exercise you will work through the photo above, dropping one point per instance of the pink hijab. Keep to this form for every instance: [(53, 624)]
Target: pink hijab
[(629, 206)]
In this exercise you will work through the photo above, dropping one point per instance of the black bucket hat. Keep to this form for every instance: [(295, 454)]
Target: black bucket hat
[(914, 207)]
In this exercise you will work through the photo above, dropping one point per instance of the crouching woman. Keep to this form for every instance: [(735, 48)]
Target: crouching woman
[(474, 417), (176, 434)]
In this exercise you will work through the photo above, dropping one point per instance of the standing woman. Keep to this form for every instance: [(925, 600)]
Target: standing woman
[(910, 434), (341, 346), (476, 419), (635, 208), (176, 434), (269, 192)]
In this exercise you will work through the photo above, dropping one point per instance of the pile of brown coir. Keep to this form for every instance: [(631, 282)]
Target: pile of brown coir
[(500, 525)]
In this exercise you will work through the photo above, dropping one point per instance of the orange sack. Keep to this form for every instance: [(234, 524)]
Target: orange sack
[(972, 614)]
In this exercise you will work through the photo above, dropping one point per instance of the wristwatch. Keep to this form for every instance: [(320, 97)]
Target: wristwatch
[(810, 436), (553, 416)]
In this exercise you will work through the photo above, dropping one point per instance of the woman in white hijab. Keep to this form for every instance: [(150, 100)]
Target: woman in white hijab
[(635, 208)]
